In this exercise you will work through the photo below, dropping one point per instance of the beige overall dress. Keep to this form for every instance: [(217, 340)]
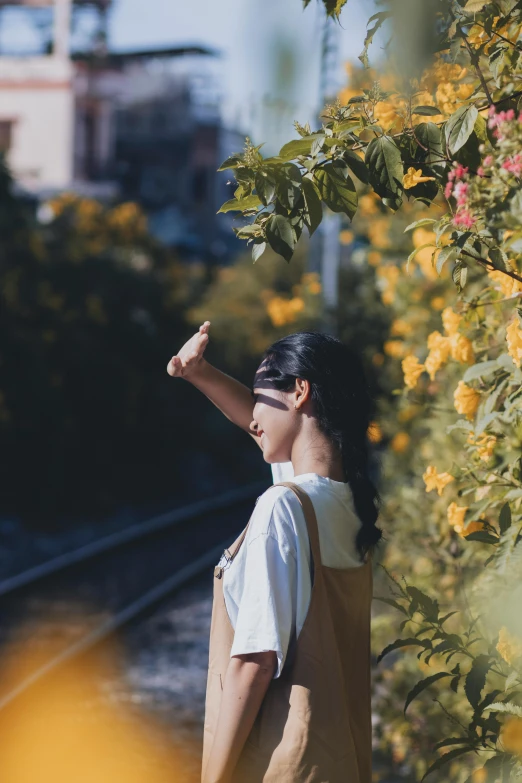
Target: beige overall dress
[(314, 724)]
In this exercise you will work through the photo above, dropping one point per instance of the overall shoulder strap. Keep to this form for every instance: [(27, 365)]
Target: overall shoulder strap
[(310, 518)]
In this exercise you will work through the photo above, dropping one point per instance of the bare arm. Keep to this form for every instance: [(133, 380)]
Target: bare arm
[(246, 683), (231, 397)]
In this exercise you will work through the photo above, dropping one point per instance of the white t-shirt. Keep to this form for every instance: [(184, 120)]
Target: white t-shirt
[(267, 587)]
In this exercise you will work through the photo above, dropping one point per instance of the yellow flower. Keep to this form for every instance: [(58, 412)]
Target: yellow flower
[(511, 736), (438, 302), (449, 97), (506, 284), (385, 113), (400, 328), (437, 340), (461, 348), (395, 348), (389, 275), (433, 362), (407, 413), (378, 232), (439, 352), (422, 236), (479, 775), (413, 177), (374, 257), (374, 432), (412, 369), (456, 516), (466, 400), (400, 442), (367, 205), (485, 445), (450, 321), (346, 237), (434, 480), (509, 646), (282, 311), (514, 341)]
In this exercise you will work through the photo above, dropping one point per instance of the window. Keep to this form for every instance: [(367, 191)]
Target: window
[(6, 131)]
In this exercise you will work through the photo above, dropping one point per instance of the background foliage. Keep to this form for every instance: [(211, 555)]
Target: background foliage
[(426, 162)]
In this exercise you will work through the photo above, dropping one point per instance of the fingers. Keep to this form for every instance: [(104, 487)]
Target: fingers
[(175, 366)]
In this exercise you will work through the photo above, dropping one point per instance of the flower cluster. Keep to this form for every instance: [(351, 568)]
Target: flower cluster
[(457, 187), (434, 480), (509, 646)]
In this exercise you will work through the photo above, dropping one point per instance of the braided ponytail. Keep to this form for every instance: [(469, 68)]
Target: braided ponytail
[(343, 408)]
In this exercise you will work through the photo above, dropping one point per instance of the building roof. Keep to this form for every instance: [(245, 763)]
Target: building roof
[(120, 58)]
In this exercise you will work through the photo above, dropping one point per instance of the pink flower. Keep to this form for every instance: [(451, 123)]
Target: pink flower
[(448, 190), (488, 160), (460, 171), (464, 219), (480, 171)]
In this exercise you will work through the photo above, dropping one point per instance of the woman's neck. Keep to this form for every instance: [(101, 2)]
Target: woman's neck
[(313, 452)]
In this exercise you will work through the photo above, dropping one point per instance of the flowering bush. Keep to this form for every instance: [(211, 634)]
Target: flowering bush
[(445, 149)]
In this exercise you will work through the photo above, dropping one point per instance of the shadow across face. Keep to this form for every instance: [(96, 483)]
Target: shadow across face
[(263, 381)]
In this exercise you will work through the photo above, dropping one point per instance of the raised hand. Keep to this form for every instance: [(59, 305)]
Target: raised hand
[(188, 358)]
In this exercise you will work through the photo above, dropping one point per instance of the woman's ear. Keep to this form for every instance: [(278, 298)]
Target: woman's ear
[(302, 392)]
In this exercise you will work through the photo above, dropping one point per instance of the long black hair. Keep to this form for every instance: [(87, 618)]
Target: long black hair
[(343, 407)]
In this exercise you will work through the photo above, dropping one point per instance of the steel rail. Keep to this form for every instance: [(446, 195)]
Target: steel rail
[(118, 620), (128, 534)]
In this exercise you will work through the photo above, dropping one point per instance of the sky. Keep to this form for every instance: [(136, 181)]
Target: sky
[(269, 52), (270, 49)]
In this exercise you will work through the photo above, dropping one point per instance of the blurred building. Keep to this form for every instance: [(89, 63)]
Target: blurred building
[(142, 125)]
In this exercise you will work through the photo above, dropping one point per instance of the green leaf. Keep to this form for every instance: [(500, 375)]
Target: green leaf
[(422, 685), (379, 19), (280, 236), (293, 149), (482, 536), (429, 606), (288, 188), (459, 275), (447, 253), (459, 127), (383, 159), (231, 162), (414, 253), (426, 110), (257, 251), (398, 643), (357, 165), (313, 205), (333, 7), (419, 223), (473, 7), (480, 370), (391, 602), (429, 136), (265, 183), (505, 706), (476, 678), (240, 205), (445, 758), (338, 194), (504, 519)]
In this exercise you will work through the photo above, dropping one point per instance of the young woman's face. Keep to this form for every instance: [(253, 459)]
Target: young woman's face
[(274, 419)]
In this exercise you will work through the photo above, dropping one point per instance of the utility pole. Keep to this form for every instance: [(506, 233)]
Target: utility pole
[(325, 251)]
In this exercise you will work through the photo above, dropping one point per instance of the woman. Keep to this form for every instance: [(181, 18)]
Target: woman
[(288, 691)]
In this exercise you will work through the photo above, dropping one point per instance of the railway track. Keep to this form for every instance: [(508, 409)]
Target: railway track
[(120, 577)]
